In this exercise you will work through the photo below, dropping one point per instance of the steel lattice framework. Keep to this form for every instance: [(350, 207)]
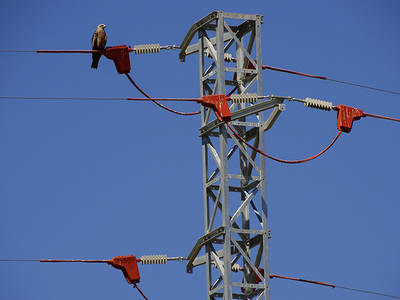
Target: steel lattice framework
[(234, 180)]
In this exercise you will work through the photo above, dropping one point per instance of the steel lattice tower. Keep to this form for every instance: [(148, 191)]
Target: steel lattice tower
[(234, 179)]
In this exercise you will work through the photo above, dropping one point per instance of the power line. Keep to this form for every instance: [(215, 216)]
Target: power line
[(17, 51), (330, 79), (140, 291), (322, 78), (364, 86), (131, 259), (283, 160), (154, 101), (367, 292), (292, 72), (62, 98), (99, 98), (333, 285), (232, 59), (382, 117), (19, 260)]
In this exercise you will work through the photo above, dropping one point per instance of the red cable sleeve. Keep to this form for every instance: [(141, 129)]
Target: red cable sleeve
[(283, 160), (381, 117), (160, 105), (302, 280), (75, 260), (330, 79), (140, 291), (165, 99), (292, 72), (67, 51), (60, 51), (334, 286)]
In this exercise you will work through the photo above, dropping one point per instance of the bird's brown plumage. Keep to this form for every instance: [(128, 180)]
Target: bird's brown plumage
[(99, 41)]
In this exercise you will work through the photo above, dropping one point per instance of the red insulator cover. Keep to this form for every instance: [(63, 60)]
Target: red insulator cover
[(128, 265), (346, 115), (120, 56), (219, 103)]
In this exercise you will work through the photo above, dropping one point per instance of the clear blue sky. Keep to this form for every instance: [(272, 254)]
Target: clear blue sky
[(100, 179)]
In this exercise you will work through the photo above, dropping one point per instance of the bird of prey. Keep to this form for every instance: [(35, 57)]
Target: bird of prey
[(99, 41)]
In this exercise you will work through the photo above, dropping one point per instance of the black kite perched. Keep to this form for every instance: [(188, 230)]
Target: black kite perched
[(99, 41)]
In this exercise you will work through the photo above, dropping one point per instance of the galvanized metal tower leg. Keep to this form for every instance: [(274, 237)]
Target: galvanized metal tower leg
[(262, 164), (204, 152), (224, 181), (234, 182)]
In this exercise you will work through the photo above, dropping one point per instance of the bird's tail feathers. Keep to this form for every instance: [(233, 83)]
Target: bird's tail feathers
[(95, 60), (94, 64)]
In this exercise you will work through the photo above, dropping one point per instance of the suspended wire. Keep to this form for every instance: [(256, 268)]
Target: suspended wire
[(63, 98), (367, 292), (233, 59), (160, 105), (301, 280), (140, 291), (68, 51), (283, 160), (381, 117), (271, 276), (20, 260), (99, 98), (16, 51), (333, 286), (75, 260), (364, 86), (292, 72), (330, 79)]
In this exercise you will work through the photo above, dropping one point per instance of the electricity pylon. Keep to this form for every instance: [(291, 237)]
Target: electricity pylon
[(234, 178)]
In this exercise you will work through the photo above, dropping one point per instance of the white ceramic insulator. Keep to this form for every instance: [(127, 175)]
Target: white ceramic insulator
[(318, 104), (148, 48), (153, 259), (244, 98), (236, 268), (227, 56)]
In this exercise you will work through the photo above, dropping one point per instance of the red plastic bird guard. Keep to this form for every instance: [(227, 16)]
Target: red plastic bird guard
[(219, 103), (346, 115), (120, 56), (128, 266)]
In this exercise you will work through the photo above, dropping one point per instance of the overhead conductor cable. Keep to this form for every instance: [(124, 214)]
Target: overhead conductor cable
[(333, 286), (159, 104), (125, 261), (330, 79)]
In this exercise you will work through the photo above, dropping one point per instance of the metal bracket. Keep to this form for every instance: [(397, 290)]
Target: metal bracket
[(213, 235), (275, 101)]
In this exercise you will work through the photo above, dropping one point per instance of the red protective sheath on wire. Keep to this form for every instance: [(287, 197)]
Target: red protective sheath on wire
[(302, 280), (67, 51), (140, 291), (381, 117), (293, 72), (283, 160), (330, 79), (160, 105)]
